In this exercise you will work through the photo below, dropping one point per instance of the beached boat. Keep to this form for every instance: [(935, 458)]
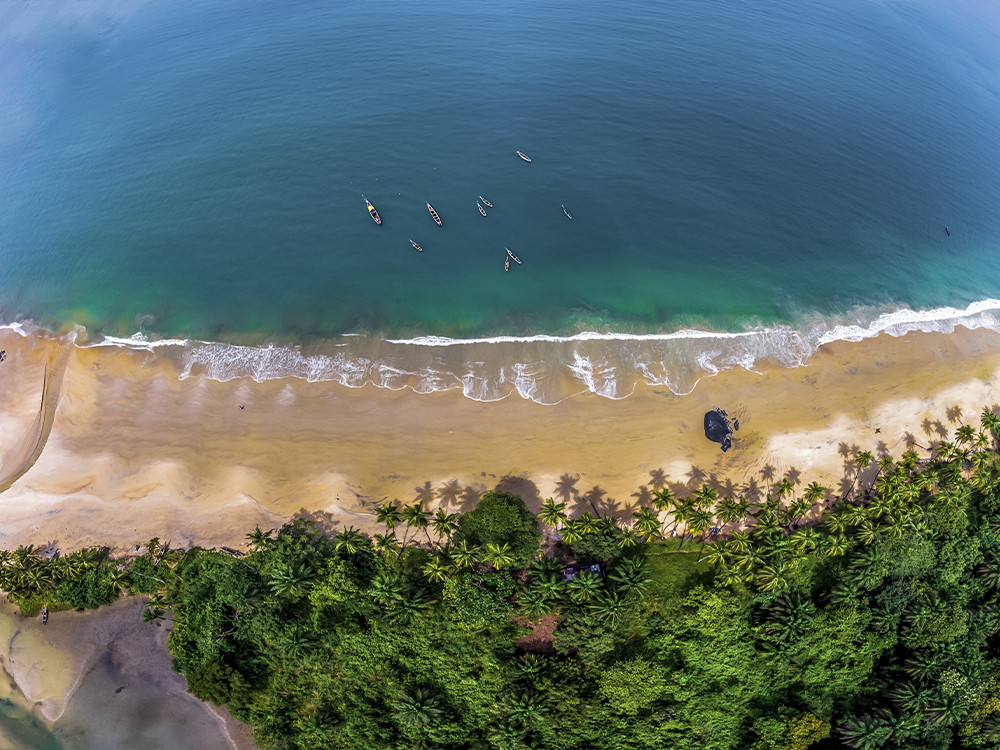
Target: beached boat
[(512, 256), (524, 156), (486, 202), (566, 212), (506, 264), (434, 215), (372, 211), (45, 615), (416, 246), (481, 209)]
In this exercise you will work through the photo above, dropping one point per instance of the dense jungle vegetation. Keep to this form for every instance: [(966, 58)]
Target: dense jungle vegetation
[(787, 617)]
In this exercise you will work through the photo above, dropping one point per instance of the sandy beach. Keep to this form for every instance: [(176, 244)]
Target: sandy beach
[(124, 450), (108, 446)]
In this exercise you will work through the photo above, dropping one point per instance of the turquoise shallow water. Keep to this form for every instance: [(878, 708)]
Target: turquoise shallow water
[(195, 171)]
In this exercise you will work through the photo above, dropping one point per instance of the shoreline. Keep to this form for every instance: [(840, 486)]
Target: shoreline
[(544, 368), (136, 451)]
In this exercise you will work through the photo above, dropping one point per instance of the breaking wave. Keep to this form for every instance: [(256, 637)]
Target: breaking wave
[(547, 368)]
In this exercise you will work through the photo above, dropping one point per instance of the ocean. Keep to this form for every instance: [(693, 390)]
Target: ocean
[(747, 181)]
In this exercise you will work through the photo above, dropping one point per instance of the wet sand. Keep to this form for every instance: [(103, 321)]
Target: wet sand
[(135, 452), (102, 679)]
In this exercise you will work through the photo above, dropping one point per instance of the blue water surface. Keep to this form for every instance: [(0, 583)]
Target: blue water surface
[(197, 169)]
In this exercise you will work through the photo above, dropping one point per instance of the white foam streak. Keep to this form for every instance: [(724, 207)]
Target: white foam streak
[(547, 369)]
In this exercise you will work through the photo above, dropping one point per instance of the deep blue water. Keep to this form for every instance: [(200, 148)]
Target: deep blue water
[(196, 170)]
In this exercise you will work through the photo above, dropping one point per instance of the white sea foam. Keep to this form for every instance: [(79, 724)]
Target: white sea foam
[(545, 368)]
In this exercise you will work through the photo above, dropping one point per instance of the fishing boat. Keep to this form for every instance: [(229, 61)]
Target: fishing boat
[(506, 264), (416, 246), (524, 156), (512, 256), (566, 212), (434, 215), (485, 202), (372, 211), (481, 209)]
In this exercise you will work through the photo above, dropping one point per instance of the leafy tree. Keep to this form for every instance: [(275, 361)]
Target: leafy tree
[(632, 686), (501, 518)]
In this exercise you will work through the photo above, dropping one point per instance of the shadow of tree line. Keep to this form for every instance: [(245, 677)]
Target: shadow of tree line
[(861, 468)]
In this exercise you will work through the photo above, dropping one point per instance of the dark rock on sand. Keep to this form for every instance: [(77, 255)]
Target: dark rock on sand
[(718, 428)]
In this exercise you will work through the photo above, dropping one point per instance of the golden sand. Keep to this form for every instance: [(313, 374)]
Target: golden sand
[(135, 452)]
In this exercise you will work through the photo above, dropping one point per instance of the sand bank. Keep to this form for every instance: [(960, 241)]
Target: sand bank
[(103, 679), (135, 452)]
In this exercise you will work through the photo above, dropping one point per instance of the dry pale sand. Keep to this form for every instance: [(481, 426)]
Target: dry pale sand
[(134, 452)]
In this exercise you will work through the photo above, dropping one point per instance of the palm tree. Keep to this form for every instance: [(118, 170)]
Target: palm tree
[(120, 579), (551, 584), (351, 540), (386, 588), (260, 540), (289, 579), (867, 533), (610, 607), (705, 498), (805, 539), (154, 615), (416, 517), (699, 523), (647, 525), (731, 511), (628, 538), (552, 514), (784, 487), (417, 708), (386, 542), (865, 732), (662, 499), (909, 696), (863, 460), (715, 553), (388, 514), (990, 422), (583, 587), (435, 570), (571, 533), (463, 555), (965, 434), (498, 556), (527, 708), (836, 545), (772, 577), (407, 609), (587, 524), (535, 603), (739, 541), (629, 575), (445, 524)]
